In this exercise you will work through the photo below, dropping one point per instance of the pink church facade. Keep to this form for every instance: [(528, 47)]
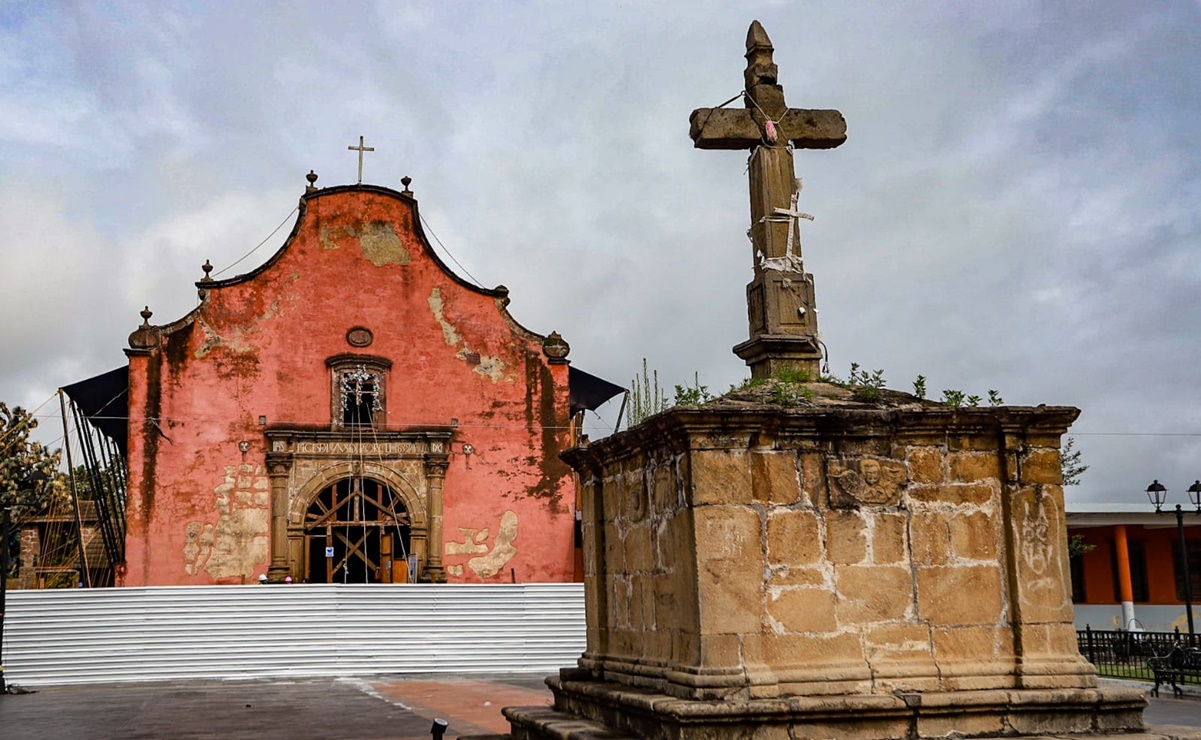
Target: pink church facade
[(350, 411)]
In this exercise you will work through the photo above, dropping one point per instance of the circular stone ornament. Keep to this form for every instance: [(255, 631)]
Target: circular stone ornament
[(359, 336)]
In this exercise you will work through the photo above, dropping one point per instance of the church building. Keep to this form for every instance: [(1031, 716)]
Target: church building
[(350, 411)]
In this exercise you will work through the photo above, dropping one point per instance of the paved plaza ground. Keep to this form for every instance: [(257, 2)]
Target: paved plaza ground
[(378, 708)]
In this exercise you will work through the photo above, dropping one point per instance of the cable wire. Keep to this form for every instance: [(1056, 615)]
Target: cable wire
[(430, 229), (264, 241)]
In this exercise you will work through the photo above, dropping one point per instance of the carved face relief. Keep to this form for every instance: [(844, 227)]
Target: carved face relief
[(870, 470), (856, 482)]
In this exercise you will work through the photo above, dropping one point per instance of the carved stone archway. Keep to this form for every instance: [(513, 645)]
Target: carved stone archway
[(304, 462)]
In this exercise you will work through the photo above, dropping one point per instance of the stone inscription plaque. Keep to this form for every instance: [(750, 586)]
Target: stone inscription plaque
[(356, 449)]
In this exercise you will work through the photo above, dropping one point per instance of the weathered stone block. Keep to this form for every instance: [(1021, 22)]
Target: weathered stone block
[(686, 648), (925, 464), (960, 595), (796, 576), (813, 477), (1054, 639), (730, 579), (894, 729), (720, 650), (888, 538), (638, 549), (846, 538), (930, 536), (969, 467), (800, 649), (974, 536), (673, 537), (663, 488), (615, 558), (719, 477), (657, 644), (671, 611), (1045, 723), (793, 537), (1041, 466), (803, 609), (961, 724), (873, 593), (774, 477), (972, 442), (898, 639), (975, 494), (979, 643)]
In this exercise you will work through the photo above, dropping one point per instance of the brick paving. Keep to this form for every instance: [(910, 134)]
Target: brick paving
[(472, 705), (376, 708), (381, 708)]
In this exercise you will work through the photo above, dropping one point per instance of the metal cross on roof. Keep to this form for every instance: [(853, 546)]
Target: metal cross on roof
[(360, 149)]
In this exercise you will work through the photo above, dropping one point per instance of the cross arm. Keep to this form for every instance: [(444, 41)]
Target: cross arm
[(736, 128)]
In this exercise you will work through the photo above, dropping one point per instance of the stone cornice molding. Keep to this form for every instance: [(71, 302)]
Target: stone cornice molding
[(681, 429)]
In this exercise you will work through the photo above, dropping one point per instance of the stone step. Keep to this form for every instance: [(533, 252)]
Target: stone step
[(544, 723)]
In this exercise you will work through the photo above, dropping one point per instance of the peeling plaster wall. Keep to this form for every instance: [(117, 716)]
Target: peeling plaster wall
[(199, 507)]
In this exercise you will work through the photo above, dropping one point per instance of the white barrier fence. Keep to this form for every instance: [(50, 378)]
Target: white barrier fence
[(218, 632)]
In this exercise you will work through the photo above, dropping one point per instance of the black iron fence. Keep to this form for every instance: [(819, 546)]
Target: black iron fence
[(1124, 653)]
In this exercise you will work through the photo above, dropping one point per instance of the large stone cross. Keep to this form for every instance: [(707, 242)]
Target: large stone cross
[(767, 126), (783, 321)]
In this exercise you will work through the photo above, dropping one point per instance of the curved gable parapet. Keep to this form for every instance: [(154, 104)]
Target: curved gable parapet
[(500, 294), (407, 200)]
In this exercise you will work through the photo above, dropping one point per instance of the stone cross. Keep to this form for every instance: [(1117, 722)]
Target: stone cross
[(360, 149), (780, 301), (770, 129)]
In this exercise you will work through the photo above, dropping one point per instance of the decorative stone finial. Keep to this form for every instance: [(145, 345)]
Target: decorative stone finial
[(405, 181), (760, 68), (207, 267), (312, 178), (555, 347), (144, 337)]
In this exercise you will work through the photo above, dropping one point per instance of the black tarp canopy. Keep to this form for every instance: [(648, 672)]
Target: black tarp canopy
[(104, 401), (588, 391)]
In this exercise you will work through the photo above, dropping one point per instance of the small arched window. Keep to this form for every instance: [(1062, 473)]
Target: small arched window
[(358, 391)]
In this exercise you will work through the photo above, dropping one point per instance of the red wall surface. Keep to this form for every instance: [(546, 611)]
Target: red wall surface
[(199, 508)]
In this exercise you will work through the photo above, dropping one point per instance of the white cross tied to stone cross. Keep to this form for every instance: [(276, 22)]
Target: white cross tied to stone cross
[(791, 261)]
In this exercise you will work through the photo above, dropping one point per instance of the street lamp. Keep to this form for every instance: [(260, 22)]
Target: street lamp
[(1158, 495)]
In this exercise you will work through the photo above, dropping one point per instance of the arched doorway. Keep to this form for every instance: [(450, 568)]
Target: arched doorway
[(357, 531)]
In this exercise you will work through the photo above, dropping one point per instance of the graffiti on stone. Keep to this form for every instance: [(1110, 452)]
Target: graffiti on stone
[(1036, 549)]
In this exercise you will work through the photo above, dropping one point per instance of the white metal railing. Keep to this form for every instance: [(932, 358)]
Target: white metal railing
[(181, 632)]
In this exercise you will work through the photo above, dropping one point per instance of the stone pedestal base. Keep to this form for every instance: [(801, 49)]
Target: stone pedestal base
[(586, 708), (769, 355)]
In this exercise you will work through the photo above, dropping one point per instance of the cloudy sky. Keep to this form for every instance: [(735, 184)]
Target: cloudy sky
[(1017, 207)]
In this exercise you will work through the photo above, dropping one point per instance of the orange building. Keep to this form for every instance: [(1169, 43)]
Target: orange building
[(1132, 574), (350, 411)]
